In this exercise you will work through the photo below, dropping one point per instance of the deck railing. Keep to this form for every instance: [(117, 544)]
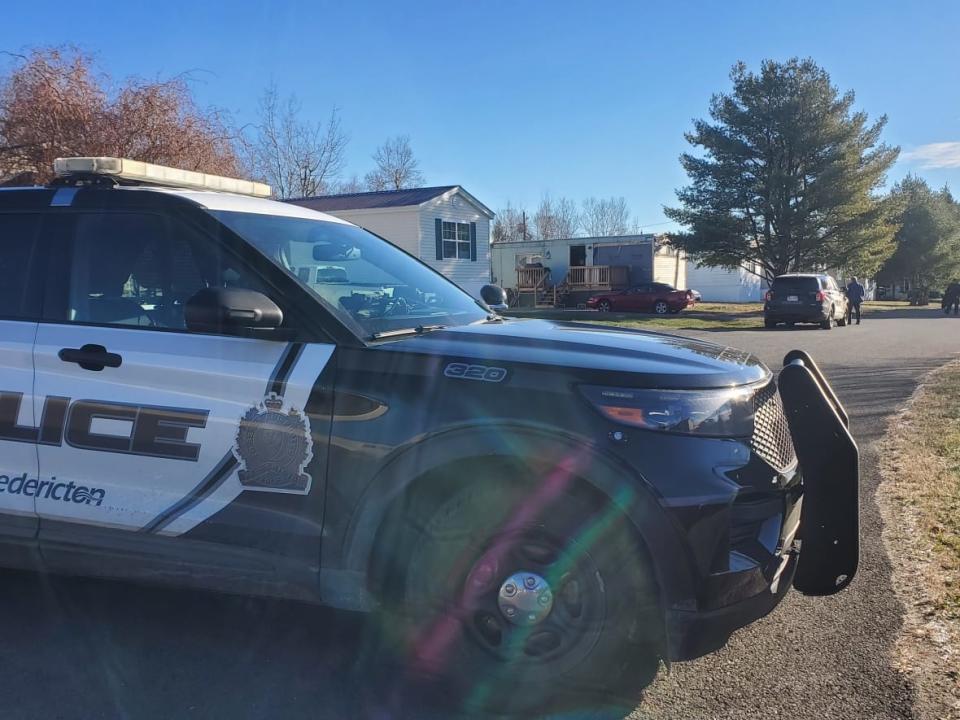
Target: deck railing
[(532, 278), (598, 276)]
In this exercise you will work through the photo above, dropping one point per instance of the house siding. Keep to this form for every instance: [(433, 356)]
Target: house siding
[(670, 267), (471, 275), (722, 285), (401, 226)]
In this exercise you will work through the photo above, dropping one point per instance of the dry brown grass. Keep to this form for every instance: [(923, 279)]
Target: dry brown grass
[(920, 502)]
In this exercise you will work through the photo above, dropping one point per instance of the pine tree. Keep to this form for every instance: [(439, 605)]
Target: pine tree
[(787, 178)]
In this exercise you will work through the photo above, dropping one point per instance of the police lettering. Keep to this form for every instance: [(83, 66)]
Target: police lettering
[(155, 431)]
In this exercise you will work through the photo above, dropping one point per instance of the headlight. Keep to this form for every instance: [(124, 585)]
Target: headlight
[(714, 413)]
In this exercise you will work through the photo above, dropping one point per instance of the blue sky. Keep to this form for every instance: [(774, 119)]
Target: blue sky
[(515, 99)]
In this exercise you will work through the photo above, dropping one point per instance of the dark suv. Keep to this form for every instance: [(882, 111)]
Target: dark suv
[(805, 298), (226, 392)]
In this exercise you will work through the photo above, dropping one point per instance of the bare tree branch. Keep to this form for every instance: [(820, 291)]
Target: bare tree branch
[(297, 158), (397, 168), (556, 218), (605, 217)]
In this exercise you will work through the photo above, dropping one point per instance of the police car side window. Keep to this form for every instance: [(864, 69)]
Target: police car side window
[(19, 234), (139, 269)]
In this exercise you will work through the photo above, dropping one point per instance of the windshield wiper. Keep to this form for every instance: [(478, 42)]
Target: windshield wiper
[(418, 330)]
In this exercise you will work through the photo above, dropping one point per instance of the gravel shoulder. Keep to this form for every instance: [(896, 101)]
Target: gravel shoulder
[(919, 500)]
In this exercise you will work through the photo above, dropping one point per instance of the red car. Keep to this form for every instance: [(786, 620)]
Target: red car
[(658, 298)]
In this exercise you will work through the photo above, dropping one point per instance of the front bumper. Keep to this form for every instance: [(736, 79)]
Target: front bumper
[(829, 531), (691, 634), (818, 513)]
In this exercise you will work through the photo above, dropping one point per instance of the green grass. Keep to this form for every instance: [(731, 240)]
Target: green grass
[(875, 305), (683, 322), (728, 308), (703, 316)]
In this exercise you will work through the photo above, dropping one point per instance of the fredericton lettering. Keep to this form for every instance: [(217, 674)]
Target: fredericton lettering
[(51, 489)]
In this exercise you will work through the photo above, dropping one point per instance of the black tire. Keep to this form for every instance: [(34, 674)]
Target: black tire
[(660, 307), (604, 306), (828, 323), (601, 637), (769, 324)]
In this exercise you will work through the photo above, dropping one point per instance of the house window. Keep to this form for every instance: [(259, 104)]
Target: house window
[(456, 240)]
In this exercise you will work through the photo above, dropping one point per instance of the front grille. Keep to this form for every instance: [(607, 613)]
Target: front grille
[(771, 435)]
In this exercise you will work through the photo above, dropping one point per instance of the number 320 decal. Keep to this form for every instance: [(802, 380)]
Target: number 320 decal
[(485, 373)]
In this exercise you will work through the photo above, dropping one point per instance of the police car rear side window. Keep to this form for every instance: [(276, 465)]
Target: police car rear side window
[(19, 235)]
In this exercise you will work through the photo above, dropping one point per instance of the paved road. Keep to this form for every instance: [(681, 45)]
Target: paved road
[(86, 649), (823, 658)]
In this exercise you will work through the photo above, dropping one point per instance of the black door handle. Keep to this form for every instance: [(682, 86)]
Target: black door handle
[(91, 357)]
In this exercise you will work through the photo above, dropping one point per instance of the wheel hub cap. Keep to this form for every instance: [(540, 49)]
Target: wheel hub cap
[(525, 598)]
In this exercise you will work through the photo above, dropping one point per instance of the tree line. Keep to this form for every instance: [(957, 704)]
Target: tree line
[(54, 102), (563, 218)]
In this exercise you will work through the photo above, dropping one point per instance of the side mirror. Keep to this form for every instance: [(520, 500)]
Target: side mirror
[(494, 296), (230, 310)]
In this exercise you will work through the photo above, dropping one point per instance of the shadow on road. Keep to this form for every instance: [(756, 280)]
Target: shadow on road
[(872, 393), (115, 650)]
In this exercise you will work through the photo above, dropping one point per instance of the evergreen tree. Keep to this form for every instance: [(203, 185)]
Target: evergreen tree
[(787, 177)]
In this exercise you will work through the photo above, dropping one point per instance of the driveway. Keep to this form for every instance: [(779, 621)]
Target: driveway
[(822, 658), (80, 648)]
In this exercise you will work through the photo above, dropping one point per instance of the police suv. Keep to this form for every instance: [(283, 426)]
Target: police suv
[(202, 386)]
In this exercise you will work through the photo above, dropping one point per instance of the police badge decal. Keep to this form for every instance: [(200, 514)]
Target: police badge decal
[(274, 448)]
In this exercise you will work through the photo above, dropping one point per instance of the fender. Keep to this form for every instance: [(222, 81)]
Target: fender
[(673, 567)]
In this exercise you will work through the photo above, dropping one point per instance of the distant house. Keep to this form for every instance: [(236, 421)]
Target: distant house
[(565, 271), (446, 227)]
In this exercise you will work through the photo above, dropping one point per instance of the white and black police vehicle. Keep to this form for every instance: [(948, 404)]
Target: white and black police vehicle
[(202, 386)]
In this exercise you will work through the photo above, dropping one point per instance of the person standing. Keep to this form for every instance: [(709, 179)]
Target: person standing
[(951, 298), (855, 294)]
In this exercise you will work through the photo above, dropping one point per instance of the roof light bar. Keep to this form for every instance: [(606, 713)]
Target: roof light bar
[(126, 169)]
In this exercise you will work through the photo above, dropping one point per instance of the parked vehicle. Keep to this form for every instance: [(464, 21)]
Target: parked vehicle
[(549, 507), (658, 298), (805, 298)]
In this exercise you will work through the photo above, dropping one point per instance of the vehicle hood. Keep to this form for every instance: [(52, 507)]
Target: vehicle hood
[(632, 358)]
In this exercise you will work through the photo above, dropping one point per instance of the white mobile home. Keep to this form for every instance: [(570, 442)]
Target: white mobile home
[(446, 227)]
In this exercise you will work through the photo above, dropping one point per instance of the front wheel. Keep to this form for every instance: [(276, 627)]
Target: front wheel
[(769, 324), (660, 307), (604, 306), (515, 598)]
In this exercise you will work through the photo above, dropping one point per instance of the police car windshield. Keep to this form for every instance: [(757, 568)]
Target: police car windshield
[(371, 284)]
